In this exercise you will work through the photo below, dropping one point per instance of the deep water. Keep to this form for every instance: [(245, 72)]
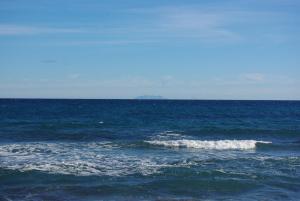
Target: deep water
[(149, 150)]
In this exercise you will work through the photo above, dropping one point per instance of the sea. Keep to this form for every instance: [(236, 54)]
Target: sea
[(82, 150)]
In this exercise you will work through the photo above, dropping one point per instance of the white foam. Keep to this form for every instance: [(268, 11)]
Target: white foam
[(108, 158), (102, 158), (199, 144)]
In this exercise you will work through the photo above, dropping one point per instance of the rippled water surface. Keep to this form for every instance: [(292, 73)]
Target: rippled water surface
[(149, 150)]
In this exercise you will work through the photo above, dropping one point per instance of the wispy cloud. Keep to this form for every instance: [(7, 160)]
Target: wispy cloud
[(102, 42), (194, 22), (191, 22), (253, 77), (198, 22), (213, 22), (10, 29)]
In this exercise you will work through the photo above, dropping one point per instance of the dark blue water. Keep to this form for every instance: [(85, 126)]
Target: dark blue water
[(149, 150)]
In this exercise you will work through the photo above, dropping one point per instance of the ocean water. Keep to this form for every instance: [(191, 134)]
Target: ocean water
[(149, 150)]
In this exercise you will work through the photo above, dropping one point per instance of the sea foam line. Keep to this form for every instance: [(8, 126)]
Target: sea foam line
[(206, 144), (84, 159)]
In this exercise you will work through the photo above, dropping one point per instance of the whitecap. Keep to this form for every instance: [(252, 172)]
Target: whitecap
[(206, 144)]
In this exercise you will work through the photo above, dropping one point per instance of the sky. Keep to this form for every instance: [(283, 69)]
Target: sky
[(191, 49)]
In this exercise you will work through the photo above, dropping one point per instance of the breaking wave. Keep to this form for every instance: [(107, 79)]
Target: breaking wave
[(218, 144)]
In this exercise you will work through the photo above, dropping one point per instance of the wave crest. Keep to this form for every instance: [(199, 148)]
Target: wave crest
[(199, 144)]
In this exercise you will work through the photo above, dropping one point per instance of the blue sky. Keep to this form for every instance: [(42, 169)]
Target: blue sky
[(188, 49)]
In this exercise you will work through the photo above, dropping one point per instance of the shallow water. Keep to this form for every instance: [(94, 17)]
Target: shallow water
[(149, 150)]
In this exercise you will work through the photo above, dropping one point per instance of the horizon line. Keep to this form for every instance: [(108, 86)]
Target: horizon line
[(161, 99)]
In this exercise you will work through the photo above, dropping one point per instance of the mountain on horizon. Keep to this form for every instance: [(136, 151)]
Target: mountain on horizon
[(149, 97)]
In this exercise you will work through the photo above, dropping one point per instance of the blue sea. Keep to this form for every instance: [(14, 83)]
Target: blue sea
[(149, 150)]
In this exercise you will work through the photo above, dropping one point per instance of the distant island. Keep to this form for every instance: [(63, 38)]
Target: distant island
[(148, 97)]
